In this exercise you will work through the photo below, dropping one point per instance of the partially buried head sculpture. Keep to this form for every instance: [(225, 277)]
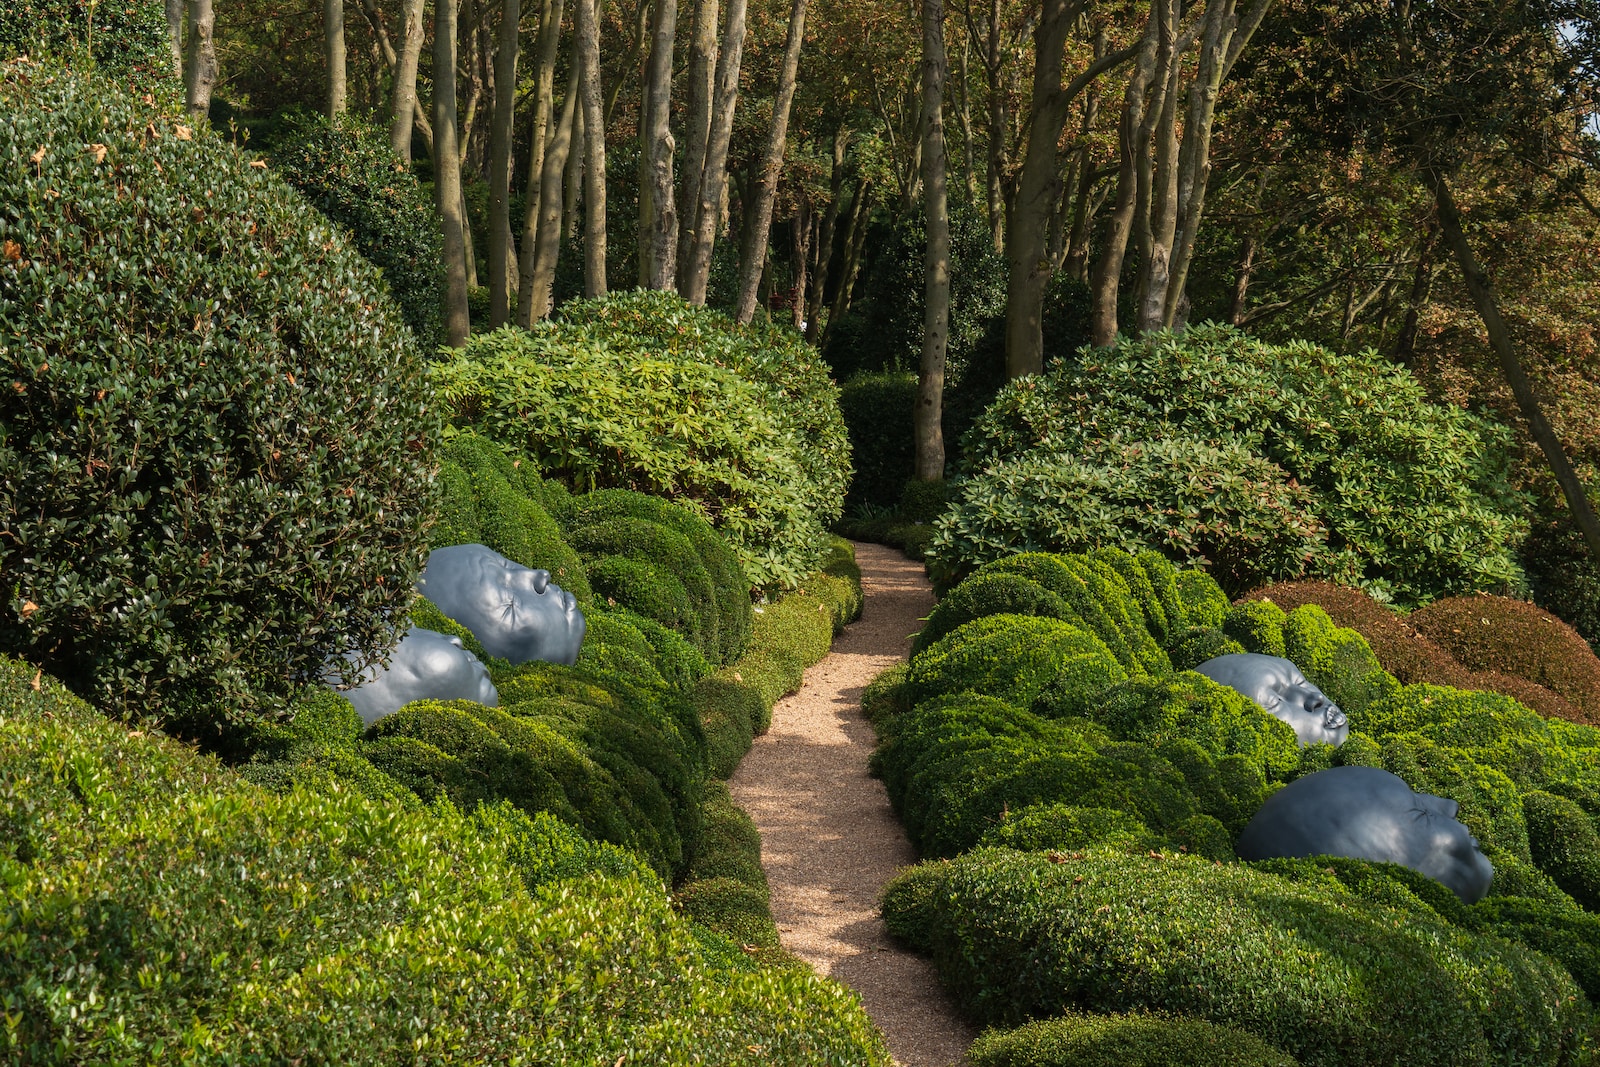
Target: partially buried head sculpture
[(424, 666), (1369, 814), (514, 611), (1277, 685)]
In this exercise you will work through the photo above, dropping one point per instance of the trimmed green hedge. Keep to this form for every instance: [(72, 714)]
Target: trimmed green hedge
[(1315, 970), (150, 902), (1124, 1041)]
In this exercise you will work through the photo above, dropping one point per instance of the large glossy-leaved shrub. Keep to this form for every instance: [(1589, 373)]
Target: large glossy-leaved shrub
[(641, 391), (1261, 461), (213, 426), (347, 170), (122, 38)]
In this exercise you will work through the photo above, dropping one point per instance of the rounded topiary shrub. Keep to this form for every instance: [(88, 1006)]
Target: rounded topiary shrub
[(214, 425), (1012, 657), (348, 171), (1281, 461), (1491, 633)]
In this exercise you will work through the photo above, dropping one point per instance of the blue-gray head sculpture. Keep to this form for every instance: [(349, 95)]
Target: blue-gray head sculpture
[(1277, 685), (514, 611), (424, 666), (1366, 813)]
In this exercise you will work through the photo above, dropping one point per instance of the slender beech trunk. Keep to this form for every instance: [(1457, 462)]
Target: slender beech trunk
[(855, 238), (539, 280), (1421, 283), (658, 209), (713, 194), (1158, 179), (447, 172), (999, 128), (403, 96), (200, 70), (830, 226), (594, 150), (802, 230), (928, 417), (502, 251), (545, 47), (573, 176), (1488, 305), (1027, 252), (175, 36), (1107, 272), (969, 174), (334, 53), (697, 130), (753, 239)]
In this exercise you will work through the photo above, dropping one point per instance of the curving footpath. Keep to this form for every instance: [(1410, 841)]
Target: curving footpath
[(829, 839)]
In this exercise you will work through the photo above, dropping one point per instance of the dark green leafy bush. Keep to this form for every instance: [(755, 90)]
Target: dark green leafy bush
[(1124, 1041), (1011, 657), (167, 905), (215, 432), (115, 39), (877, 409), (641, 391), (350, 174), (1564, 845), (1315, 970), (1273, 462)]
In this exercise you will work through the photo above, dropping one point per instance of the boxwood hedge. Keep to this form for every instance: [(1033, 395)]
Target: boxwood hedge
[(1139, 1040)]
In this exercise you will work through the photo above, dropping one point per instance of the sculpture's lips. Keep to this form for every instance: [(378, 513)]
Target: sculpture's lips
[(1334, 718)]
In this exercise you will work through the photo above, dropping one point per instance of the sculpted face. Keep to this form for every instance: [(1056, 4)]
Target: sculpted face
[(514, 611), (1369, 814), (424, 666), (1277, 685)]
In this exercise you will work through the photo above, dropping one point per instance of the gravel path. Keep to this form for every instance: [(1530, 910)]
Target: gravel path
[(829, 838)]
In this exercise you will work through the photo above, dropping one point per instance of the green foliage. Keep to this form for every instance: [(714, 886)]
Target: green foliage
[(663, 580), (1011, 657), (168, 909), (990, 594), (1124, 1041), (1192, 707), (1070, 828), (1559, 930), (1196, 644), (642, 391), (216, 438), (1565, 846), (1337, 659), (877, 409), (1279, 461), (731, 587), (1318, 971), (347, 170), (490, 498), (1257, 625), (725, 888), (115, 39)]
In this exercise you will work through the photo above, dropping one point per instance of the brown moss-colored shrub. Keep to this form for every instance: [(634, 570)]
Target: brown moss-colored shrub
[(1493, 633), (1413, 656)]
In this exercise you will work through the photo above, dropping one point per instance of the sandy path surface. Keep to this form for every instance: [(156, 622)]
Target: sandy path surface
[(829, 838)]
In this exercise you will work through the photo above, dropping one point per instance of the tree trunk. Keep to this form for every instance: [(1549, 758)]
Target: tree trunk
[(697, 129), (830, 226), (573, 184), (538, 281), (1107, 273), (403, 97), (994, 180), (333, 53), (200, 71), (1421, 285), (928, 418), (175, 35), (753, 240), (855, 238), (713, 193), (802, 229), (1488, 305), (594, 150), (546, 48), (1158, 185), (658, 210), (1027, 253), (502, 252), (447, 172)]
